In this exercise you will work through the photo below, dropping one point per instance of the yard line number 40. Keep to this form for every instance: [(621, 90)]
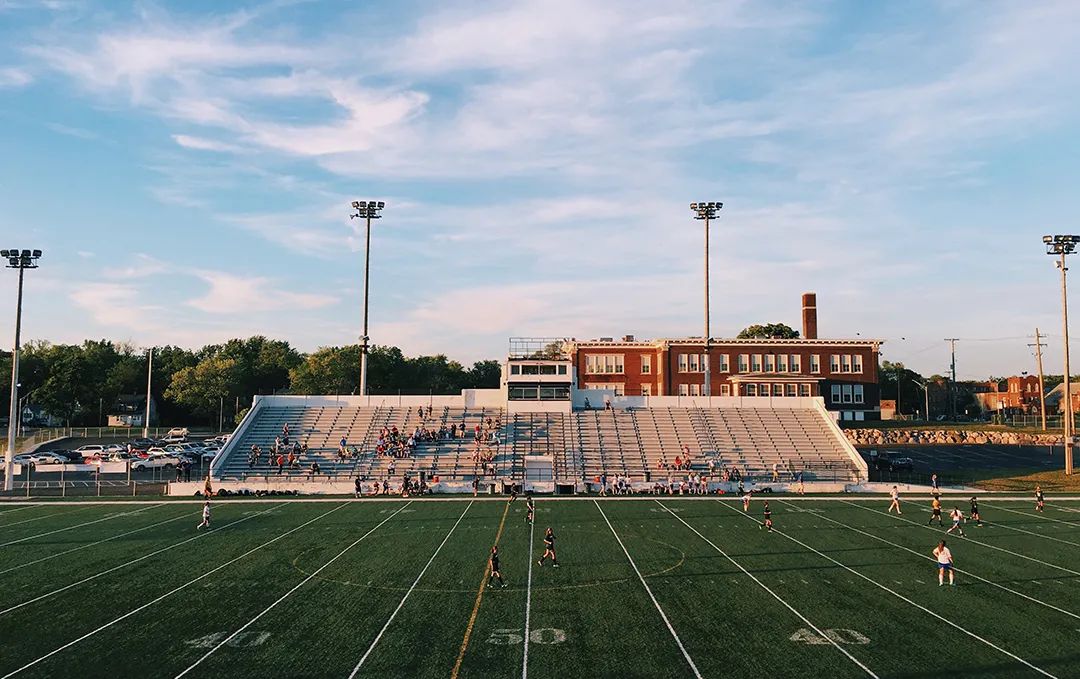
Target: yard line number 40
[(513, 637)]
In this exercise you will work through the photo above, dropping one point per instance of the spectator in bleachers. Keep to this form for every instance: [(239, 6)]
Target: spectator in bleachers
[(313, 470), (280, 462)]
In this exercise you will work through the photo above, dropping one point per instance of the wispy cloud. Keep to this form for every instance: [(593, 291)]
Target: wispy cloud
[(235, 294), (12, 77)]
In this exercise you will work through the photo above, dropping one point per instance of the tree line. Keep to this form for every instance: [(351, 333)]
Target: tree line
[(80, 383)]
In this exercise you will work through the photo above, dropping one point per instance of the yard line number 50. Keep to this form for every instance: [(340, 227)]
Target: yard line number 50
[(513, 637), (828, 636)]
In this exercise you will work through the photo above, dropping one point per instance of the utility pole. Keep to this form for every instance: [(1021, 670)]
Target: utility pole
[(1059, 246), (149, 373), (707, 212), (952, 368), (366, 210), (21, 260), (1038, 361)]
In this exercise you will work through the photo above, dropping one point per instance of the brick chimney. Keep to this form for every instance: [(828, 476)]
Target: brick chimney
[(809, 315)]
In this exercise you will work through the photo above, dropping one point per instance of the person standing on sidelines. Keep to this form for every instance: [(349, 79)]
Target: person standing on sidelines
[(1040, 499), (205, 516), (895, 504), (945, 563), (975, 511), (957, 516), (935, 511)]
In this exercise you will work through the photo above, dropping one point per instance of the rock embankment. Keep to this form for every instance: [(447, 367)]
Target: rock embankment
[(944, 437)]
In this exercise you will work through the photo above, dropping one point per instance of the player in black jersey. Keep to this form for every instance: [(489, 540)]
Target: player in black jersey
[(1040, 501), (974, 516), (767, 524), (530, 509), (549, 548), (493, 560)]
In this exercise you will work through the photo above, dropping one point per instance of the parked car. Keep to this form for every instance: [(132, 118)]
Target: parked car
[(903, 464), (23, 459), (72, 456), (91, 451), (155, 462), (143, 444), (174, 438), (47, 458)]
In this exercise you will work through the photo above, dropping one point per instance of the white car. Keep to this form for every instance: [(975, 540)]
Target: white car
[(174, 438), (165, 461), (91, 451), (47, 458)]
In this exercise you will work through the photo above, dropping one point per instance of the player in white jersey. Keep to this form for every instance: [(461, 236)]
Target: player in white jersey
[(746, 502), (895, 504), (205, 516), (945, 563), (957, 516)]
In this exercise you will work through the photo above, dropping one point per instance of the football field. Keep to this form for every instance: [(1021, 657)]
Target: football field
[(667, 587)]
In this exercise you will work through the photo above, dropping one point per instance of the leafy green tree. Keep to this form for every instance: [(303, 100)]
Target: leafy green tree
[(330, 370), (484, 375), (769, 331), (201, 388)]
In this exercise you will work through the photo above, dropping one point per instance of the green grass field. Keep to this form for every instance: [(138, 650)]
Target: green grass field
[(675, 588)]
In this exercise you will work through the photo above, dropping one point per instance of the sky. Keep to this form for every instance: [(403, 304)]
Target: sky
[(187, 169)]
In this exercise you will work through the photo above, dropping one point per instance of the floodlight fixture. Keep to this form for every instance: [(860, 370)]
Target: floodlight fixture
[(20, 260), (366, 210), (1059, 246)]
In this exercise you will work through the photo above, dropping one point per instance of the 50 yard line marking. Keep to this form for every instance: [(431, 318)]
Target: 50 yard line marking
[(172, 591), (674, 635), (528, 603), (899, 596), (774, 594), (930, 558), (402, 603), (303, 582), (476, 604)]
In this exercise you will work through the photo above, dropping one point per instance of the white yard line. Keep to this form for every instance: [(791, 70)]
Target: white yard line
[(286, 595), (108, 539), (393, 615), (674, 635), (87, 579), (903, 598), (774, 595), (170, 592), (79, 525), (1035, 516), (528, 603), (930, 558), (36, 518), (18, 509), (973, 541)]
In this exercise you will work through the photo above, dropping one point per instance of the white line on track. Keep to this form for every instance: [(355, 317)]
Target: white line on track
[(528, 603), (903, 598), (79, 525), (172, 591), (88, 578), (393, 615), (656, 603), (973, 541), (286, 595), (36, 518), (1035, 516), (965, 572), (98, 542), (776, 596), (18, 509)]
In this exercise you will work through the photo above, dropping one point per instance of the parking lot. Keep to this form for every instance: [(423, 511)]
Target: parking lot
[(955, 464)]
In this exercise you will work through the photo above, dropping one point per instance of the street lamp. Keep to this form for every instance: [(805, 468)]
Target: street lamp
[(707, 212), (366, 210), (21, 260), (1059, 246), (925, 386)]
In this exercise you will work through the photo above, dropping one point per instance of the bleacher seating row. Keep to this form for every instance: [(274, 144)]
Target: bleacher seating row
[(636, 443)]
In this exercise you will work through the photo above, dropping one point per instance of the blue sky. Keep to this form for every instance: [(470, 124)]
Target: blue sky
[(187, 168)]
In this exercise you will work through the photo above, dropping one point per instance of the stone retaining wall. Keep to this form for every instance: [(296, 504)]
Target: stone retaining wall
[(939, 437)]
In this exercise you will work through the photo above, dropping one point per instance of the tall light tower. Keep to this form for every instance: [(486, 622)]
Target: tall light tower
[(21, 260), (366, 210), (1059, 246), (707, 212)]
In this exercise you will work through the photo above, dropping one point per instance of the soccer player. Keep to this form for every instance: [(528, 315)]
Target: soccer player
[(767, 524), (895, 504), (957, 516), (549, 548), (1040, 501), (493, 560), (530, 509), (205, 516), (746, 502), (975, 511), (944, 563), (935, 509)]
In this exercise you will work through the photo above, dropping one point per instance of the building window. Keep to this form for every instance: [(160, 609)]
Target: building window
[(755, 363), (859, 393), (646, 365), (836, 393), (789, 390), (693, 359), (646, 390), (603, 364), (763, 390), (856, 363), (847, 393), (815, 364), (515, 370), (770, 365), (684, 390), (777, 390), (744, 363), (845, 363), (781, 363), (796, 363), (751, 390), (725, 365), (562, 369), (695, 390), (725, 390), (834, 364), (547, 370), (804, 390)]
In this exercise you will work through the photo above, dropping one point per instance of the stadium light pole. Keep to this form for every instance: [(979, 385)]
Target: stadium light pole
[(366, 210), (1059, 246), (21, 260), (707, 212)]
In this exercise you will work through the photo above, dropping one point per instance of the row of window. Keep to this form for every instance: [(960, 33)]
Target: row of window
[(539, 392), (613, 364), (847, 393), (528, 369), (841, 393)]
